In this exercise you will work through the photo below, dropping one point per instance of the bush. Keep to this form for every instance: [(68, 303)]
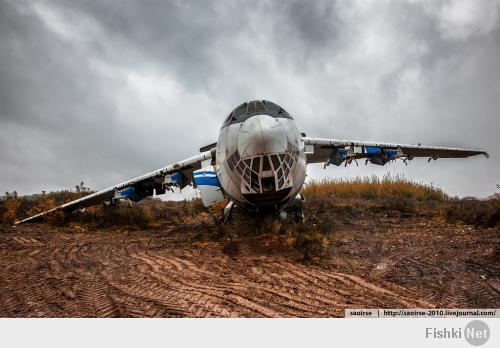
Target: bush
[(142, 214), (10, 210), (370, 188), (147, 213), (484, 213), (15, 209), (313, 246)]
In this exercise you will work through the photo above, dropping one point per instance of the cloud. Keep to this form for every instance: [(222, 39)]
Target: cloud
[(102, 92), (463, 19)]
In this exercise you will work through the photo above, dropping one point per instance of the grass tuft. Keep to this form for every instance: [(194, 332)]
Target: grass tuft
[(387, 187)]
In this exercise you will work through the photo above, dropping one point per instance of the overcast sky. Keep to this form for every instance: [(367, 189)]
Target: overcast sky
[(103, 91)]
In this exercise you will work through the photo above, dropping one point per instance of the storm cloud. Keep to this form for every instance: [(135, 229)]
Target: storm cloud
[(103, 91)]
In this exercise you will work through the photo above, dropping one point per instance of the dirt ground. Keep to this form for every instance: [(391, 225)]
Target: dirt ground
[(371, 261)]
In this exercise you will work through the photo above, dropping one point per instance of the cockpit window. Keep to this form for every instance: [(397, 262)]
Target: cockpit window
[(265, 164), (276, 161), (267, 173), (283, 112), (271, 106), (228, 118), (240, 110), (256, 164), (259, 106), (255, 107)]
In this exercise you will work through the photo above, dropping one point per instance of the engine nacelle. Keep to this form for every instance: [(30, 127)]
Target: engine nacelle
[(208, 185), (379, 156), (337, 156), (176, 179), (134, 193)]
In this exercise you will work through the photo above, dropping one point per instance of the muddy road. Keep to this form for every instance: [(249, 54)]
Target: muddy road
[(382, 263)]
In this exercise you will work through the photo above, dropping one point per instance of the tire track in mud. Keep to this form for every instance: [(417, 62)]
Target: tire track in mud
[(66, 285), (26, 241), (233, 292), (171, 301), (447, 288), (194, 286), (169, 285), (95, 299), (12, 304), (165, 274), (141, 274), (287, 290)]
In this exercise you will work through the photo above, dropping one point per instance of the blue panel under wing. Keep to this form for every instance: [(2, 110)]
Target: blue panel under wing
[(372, 150), (206, 180), (128, 192), (343, 153), (176, 178), (391, 153)]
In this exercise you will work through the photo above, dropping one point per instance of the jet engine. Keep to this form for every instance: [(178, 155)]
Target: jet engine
[(207, 183), (380, 156)]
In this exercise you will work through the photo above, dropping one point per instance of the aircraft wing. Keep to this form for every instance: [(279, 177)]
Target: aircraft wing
[(337, 151), (178, 174)]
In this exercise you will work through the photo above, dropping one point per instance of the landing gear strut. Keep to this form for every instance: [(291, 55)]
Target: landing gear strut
[(298, 215), (228, 211)]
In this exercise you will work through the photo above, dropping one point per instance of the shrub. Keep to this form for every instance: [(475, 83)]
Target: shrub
[(10, 210), (313, 246), (15, 209), (485, 213), (387, 187)]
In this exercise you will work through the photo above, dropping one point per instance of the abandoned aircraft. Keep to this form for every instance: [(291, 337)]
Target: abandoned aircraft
[(258, 162)]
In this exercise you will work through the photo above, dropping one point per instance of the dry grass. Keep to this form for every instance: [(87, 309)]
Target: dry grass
[(327, 202), (150, 212), (480, 213), (388, 187), (15, 209), (147, 213)]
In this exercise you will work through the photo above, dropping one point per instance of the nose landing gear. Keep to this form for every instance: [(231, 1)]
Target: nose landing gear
[(294, 211), (298, 215)]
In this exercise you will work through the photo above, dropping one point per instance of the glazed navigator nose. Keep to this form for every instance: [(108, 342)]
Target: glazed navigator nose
[(261, 134)]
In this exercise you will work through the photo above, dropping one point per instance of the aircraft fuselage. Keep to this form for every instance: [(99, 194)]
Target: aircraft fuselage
[(260, 158)]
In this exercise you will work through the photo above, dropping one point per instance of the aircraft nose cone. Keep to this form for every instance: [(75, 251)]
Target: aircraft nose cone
[(261, 134)]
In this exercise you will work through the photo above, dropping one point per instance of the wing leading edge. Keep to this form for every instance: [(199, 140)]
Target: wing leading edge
[(178, 174), (337, 151)]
